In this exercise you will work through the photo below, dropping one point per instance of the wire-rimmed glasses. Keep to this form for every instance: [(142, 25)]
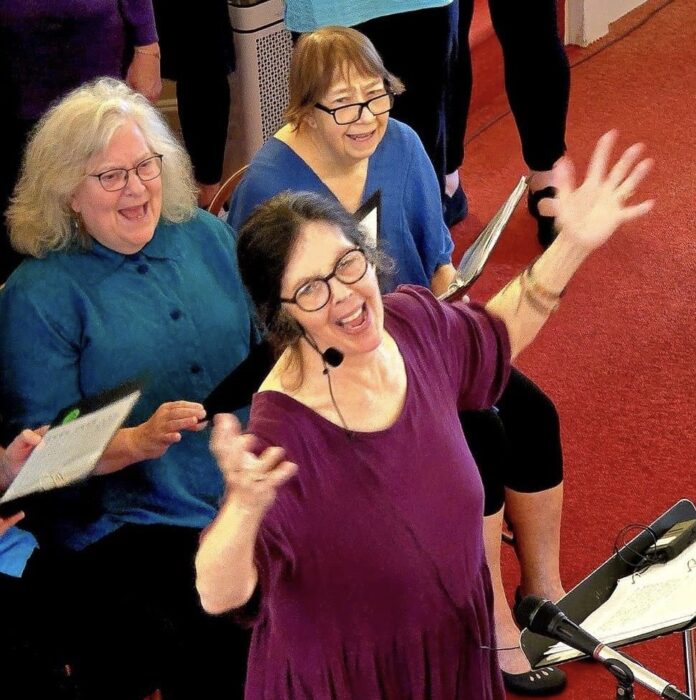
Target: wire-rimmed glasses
[(315, 294), (347, 114), (117, 178)]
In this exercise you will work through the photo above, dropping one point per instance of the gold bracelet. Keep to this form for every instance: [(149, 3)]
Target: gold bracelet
[(154, 54), (538, 288), (538, 302)]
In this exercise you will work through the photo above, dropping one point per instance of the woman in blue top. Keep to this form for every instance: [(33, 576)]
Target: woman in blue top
[(340, 142), (126, 278), (350, 158)]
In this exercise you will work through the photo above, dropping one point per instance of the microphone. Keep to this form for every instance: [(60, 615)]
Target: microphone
[(332, 356), (544, 617)]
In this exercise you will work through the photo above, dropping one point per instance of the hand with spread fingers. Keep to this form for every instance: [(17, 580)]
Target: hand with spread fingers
[(252, 482), (590, 213)]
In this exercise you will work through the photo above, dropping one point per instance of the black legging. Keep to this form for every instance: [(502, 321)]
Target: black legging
[(429, 50), (198, 53), (517, 444), (415, 47), (537, 78)]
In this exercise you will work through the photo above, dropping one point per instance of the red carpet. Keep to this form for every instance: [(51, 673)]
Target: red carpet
[(618, 356)]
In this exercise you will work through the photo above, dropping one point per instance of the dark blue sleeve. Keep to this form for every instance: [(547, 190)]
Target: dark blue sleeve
[(424, 209)]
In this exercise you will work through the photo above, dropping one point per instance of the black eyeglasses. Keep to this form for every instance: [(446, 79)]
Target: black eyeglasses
[(347, 114), (315, 294), (117, 179)]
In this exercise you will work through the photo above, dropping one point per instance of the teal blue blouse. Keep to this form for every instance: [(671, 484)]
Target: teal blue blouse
[(79, 322)]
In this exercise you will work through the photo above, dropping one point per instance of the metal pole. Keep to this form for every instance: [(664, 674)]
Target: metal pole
[(690, 661)]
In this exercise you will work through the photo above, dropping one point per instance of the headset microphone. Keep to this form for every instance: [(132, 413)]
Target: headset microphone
[(332, 357)]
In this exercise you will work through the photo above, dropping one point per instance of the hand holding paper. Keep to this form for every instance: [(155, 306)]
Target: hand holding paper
[(12, 459)]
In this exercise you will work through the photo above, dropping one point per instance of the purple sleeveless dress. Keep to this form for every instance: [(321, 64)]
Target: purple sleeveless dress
[(373, 583)]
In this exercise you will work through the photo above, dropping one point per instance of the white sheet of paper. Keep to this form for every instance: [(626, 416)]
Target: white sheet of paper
[(69, 452), (662, 596), (370, 225)]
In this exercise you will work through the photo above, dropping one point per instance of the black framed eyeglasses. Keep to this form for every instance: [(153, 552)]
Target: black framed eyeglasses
[(347, 114), (117, 179), (315, 294)]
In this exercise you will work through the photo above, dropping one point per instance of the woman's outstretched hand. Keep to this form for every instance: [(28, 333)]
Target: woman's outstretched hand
[(589, 214), (252, 482)]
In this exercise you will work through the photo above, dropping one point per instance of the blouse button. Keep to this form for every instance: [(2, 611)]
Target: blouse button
[(142, 269), (195, 369), (175, 314)]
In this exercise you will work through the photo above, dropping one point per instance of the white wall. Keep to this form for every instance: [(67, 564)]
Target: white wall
[(588, 20)]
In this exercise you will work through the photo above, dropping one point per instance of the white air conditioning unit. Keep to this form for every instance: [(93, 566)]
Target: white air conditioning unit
[(259, 85)]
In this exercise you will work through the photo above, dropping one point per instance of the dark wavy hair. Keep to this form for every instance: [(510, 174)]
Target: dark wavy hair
[(266, 242)]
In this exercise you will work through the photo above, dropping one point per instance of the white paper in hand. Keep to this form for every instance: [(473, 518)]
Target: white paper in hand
[(70, 452)]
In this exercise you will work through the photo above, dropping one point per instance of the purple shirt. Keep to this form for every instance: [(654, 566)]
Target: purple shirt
[(371, 564), (49, 47)]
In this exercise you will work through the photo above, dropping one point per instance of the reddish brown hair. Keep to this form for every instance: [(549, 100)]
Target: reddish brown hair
[(317, 59)]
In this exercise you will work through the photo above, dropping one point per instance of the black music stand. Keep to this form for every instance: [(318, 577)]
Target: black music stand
[(596, 589)]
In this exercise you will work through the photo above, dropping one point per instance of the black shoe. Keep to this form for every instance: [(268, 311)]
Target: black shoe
[(541, 681), (456, 207), (546, 229)]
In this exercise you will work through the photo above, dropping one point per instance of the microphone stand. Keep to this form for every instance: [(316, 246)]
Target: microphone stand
[(624, 677)]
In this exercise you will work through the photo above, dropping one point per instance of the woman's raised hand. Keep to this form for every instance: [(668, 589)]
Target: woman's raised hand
[(252, 481), (590, 213)]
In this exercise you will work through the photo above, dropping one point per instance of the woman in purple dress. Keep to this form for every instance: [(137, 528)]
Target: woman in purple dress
[(367, 569)]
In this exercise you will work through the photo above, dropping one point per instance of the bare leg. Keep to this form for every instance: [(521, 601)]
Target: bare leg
[(539, 179), (451, 183), (536, 521), (512, 660)]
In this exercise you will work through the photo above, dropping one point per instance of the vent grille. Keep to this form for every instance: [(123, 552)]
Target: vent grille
[(273, 63)]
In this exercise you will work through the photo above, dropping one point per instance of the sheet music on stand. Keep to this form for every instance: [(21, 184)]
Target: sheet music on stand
[(476, 256), (641, 618), (658, 597)]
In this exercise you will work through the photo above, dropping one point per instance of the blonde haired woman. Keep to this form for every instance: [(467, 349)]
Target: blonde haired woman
[(127, 278)]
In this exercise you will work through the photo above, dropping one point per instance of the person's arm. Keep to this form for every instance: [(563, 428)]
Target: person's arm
[(143, 73), (226, 574), (425, 221), (7, 523), (586, 217), (442, 278), (151, 439)]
